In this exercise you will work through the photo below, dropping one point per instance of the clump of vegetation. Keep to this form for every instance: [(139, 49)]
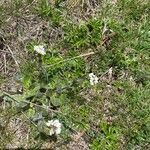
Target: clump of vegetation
[(83, 80)]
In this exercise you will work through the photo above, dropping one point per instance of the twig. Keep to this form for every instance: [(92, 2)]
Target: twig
[(44, 107), (1, 67), (13, 55), (107, 71), (110, 71), (4, 51), (29, 119), (82, 55), (4, 55), (25, 8)]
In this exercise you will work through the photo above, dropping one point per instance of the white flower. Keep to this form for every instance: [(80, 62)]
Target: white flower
[(55, 127), (40, 49), (93, 79)]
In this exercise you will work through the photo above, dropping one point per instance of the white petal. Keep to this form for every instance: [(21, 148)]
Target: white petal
[(91, 82), (40, 49), (58, 131), (91, 75), (57, 123), (51, 132), (49, 123), (93, 79), (55, 126), (96, 81)]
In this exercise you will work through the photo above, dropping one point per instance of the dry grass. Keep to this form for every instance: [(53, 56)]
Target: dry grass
[(21, 25)]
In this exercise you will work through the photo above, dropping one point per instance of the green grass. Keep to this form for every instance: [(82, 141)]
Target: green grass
[(114, 114)]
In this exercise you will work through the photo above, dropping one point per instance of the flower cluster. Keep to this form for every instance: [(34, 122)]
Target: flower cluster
[(55, 127), (40, 49), (93, 79)]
